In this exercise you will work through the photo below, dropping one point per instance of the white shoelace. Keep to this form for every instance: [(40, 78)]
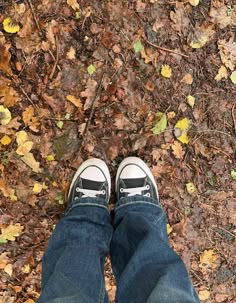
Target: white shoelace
[(89, 193), (135, 191)]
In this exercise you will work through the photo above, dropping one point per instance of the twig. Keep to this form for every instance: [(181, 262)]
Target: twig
[(34, 15), (56, 60), (26, 95), (53, 57), (166, 49), (233, 116), (91, 113), (225, 230)]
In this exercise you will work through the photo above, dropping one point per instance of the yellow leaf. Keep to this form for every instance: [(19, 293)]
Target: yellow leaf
[(29, 301), (6, 140), (8, 269), (181, 129), (169, 229), (26, 269), (21, 137), (37, 188), (193, 2), (190, 188), (187, 79), (204, 294), (222, 73), (50, 158), (74, 4), (31, 162), (10, 233), (5, 115), (208, 260), (44, 186), (166, 71), (10, 27), (75, 101), (177, 150), (170, 115), (191, 100), (24, 148)]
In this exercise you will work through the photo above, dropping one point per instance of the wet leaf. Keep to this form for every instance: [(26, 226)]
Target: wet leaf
[(10, 27), (233, 77), (191, 100), (190, 188), (181, 129), (222, 73), (10, 233), (166, 71), (138, 46), (5, 115), (160, 123), (208, 260)]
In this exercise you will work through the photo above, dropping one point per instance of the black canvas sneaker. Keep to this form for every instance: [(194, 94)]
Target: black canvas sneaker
[(135, 178), (92, 180)]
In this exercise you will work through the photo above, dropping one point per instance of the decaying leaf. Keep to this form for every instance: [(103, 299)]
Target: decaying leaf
[(181, 130), (10, 233), (150, 86), (4, 260), (187, 79), (177, 150), (89, 93), (30, 119), (160, 123), (180, 19), (204, 294), (76, 101), (200, 36), (228, 52), (5, 115), (222, 73), (7, 191), (166, 71), (222, 15), (208, 260), (8, 269), (21, 137)]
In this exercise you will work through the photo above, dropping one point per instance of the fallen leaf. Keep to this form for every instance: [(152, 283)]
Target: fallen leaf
[(37, 187), (169, 229), (200, 36), (233, 174), (228, 52), (7, 191), (181, 129), (222, 73), (31, 162), (4, 260), (89, 93), (5, 55), (24, 148), (194, 2), (60, 124), (190, 188), (180, 19), (187, 79), (91, 69), (26, 269), (160, 123), (74, 4), (180, 228), (29, 301), (150, 86), (166, 71), (10, 27), (5, 115), (138, 46), (204, 294), (76, 101), (10, 233), (30, 119), (222, 15), (21, 137), (5, 140), (233, 77), (8, 269), (177, 150), (50, 158), (208, 260), (71, 53), (191, 100)]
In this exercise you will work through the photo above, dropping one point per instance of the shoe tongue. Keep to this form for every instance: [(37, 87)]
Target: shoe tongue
[(132, 183), (89, 184)]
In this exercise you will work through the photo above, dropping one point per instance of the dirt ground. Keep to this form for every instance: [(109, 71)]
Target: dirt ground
[(85, 79)]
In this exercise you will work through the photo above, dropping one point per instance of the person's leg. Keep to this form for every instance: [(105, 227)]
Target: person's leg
[(73, 264), (147, 270)]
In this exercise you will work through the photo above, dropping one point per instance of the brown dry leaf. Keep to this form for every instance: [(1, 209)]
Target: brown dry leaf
[(204, 294), (187, 79), (180, 228), (158, 24), (51, 29), (24, 148), (7, 93), (75, 101), (201, 35), (71, 53), (228, 53), (74, 4), (222, 73), (89, 93), (7, 191), (10, 233), (150, 86), (31, 162), (208, 260), (149, 56), (5, 55), (8, 269), (30, 119), (4, 260), (222, 15), (177, 150), (180, 19)]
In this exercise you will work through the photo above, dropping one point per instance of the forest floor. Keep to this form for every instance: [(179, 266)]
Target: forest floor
[(92, 79)]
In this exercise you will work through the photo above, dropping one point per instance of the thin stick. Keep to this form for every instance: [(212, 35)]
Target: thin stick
[(34, 15), (166, 49), (26, 95), (56, 60), (233, 116), (91, 113)]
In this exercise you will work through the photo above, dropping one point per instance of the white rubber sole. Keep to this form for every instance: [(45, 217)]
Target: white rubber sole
[(139, 162), (93, 162)]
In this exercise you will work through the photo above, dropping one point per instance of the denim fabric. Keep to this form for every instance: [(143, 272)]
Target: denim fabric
[(145, 267)]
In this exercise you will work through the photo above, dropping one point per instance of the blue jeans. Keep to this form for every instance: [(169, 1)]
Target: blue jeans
[(145, 267)]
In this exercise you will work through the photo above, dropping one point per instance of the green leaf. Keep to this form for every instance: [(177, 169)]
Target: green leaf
[(60, 124), (138, 46), (233, 174), (233, 77), (91, 69), (160, 123)]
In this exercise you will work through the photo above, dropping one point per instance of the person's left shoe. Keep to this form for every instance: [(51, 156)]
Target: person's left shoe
[(92, 180)]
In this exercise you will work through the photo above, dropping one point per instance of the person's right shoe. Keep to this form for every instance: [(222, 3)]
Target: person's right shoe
[(135, 178)]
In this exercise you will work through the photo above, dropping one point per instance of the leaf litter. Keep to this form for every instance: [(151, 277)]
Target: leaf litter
[(104, 81)]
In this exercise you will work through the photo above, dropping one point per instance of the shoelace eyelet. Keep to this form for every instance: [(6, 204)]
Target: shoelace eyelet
[(148, 195), (147, 187), (121, 190)]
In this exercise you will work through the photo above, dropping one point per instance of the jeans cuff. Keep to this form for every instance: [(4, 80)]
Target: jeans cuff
[(93, 202), (136, 200)]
